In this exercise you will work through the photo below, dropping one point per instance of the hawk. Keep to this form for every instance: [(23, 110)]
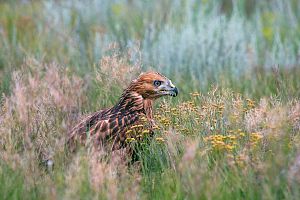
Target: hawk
[(109, 126)]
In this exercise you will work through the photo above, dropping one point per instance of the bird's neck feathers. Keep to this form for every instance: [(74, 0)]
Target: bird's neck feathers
[(131, 102)]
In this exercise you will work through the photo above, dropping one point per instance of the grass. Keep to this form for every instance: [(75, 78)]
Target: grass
[(232, 133)]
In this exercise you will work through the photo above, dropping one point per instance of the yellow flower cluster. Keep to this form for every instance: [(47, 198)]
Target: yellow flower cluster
[(188, 106), (130, 140), (136, 133), (222, 142), (208, 114), (255, 138), (165, 121), (221, 118), (250, 103), (230, 142), (160, 139)]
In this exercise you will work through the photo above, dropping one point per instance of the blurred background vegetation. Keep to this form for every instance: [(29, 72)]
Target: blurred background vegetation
[(232, 133), (250, 46)]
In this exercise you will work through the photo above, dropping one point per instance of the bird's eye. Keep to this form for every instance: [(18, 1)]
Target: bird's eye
[(157, 83)]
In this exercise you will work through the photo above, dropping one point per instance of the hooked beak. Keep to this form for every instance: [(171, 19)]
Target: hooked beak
[(174, 92), (169, 89)]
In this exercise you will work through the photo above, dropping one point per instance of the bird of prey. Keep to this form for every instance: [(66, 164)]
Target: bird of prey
[(109, 126)]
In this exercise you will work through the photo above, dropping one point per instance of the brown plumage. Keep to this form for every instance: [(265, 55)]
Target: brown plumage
[(108, 126)]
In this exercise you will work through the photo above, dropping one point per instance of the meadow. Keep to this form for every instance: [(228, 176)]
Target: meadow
[(232, 133)]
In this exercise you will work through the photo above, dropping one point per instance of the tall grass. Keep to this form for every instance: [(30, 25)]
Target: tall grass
[(201, 40), (233, 132)]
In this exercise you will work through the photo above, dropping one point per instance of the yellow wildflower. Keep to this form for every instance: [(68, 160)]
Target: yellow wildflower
[(129, 140), (160, 139), (242, 134), (145, 131), (229, 147)]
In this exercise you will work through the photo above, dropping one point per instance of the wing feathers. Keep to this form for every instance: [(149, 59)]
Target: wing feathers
[(111, 123)]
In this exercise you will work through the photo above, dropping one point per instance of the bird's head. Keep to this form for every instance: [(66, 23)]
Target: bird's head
[(152, 85)]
